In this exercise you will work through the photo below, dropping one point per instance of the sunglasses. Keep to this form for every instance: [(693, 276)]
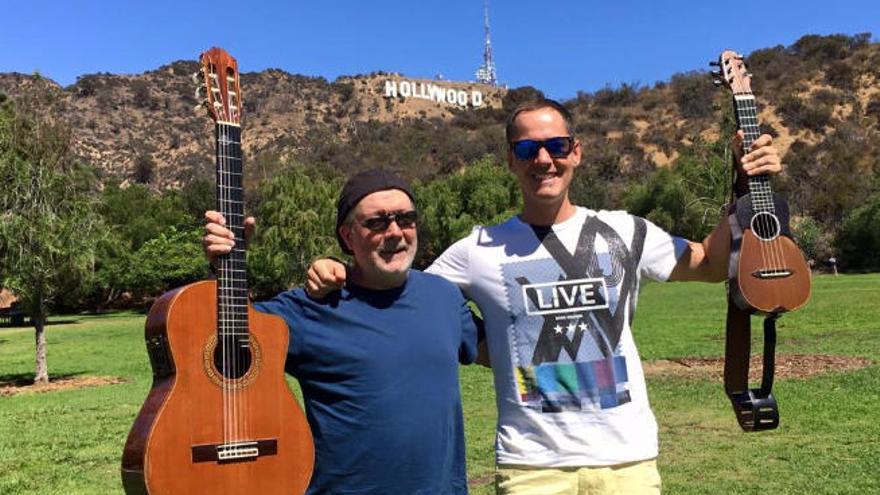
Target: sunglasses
[(380, 223), (527, 149)]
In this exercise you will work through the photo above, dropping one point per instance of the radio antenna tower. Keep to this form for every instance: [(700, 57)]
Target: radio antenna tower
[(486, 72)]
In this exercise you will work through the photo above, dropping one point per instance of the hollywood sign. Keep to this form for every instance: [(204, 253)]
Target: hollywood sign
[(429, 91)]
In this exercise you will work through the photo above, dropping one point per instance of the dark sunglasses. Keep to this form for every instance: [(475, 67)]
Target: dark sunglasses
[(380, 223), (527, 149)]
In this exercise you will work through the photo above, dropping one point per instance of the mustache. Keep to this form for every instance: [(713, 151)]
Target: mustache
[(394, 246)]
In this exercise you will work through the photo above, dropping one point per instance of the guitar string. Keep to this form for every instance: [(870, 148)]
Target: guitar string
[(238, 190), (222, 280), (758, 197), (230, 296), (233, 280), (223, 291), (763, 198), (232, 299), (238, 205), (238, 310), (777, 255), (742, 116), (242, 286)]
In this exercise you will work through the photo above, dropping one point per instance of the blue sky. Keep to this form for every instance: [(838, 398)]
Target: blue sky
[(560, 47)]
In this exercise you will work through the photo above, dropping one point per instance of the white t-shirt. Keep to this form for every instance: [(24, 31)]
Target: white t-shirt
[(557, 305)]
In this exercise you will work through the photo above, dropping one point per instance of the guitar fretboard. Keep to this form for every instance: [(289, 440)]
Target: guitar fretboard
[(232, 291), (746, 111)]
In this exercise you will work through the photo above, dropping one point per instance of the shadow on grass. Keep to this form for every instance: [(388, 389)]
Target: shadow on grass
[(48, 324), (62, 322), (27, 379)]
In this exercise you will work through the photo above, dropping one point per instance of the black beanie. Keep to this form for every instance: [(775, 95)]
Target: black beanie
[(360, 185)]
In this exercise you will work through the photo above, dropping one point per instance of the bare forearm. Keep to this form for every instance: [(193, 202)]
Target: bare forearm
[(706, 261)]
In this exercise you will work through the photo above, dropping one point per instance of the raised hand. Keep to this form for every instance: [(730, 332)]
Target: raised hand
[(324, 276)]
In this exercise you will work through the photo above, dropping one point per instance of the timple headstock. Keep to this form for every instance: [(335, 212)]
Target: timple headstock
[(219, 78), (732, 72)]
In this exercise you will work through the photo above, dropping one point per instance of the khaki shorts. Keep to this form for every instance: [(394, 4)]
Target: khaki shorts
[(631, 478)]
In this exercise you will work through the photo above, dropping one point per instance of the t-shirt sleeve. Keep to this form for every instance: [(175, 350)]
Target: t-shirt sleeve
[(454, 264), (467, 353), (289, 306), (660, 253)]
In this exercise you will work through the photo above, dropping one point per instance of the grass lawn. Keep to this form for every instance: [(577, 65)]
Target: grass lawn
[(70, 441)]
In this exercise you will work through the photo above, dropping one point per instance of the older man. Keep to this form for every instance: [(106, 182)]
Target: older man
[(557, 286), (378, 361)]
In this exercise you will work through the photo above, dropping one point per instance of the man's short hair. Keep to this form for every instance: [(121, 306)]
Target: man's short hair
[(528, 106)]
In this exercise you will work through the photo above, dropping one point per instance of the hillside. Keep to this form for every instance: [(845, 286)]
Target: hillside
[(145, 128), (820, 98)]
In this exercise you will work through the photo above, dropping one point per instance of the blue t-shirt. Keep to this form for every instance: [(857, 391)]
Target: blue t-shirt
[(379, 375)]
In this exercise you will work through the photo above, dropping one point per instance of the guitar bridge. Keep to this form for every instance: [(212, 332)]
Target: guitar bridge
[(772, 273), (237, 451), (223, 453)]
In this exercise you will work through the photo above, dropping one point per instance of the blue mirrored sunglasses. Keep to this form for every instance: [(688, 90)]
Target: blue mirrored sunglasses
[(557, 147)]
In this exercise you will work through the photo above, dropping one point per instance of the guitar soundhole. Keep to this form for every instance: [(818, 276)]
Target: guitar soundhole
[(232, 357), (765, 226)]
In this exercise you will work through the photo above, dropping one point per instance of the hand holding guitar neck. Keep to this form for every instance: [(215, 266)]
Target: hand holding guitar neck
[(762, 158), (219, 240)]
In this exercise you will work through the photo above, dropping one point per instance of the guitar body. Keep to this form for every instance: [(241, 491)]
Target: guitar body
[(174, 443), (771, 274)]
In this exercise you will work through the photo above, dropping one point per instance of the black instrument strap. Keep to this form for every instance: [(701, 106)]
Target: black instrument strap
[(755, 409)]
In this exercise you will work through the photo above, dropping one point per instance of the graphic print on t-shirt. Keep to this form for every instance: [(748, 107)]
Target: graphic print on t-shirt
[(568, 313)]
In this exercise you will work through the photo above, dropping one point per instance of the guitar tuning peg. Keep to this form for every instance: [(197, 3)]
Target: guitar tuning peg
[(716, 82), (196, 77), (715, 73), (714, 63), (200, 107)]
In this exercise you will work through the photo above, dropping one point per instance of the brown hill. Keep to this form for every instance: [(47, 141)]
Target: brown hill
[(147, 128), (143, 128)]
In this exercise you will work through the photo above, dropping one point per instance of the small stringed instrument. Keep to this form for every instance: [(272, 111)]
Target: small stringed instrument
[(768, 273), (220, 417)]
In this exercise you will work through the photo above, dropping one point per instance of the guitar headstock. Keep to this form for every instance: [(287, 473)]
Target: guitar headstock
[(219, 79), (732, 72)]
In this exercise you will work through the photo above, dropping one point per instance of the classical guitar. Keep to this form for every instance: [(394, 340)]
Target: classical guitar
[(220, 417), (767, 273)]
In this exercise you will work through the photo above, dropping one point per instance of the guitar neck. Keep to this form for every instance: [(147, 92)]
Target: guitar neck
[(232, 289), (746, 111)]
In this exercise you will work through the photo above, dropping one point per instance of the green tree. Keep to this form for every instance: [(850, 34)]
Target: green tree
[(138, 214), (484, 193), (171, 259), (686, 199), (296, 221), (48, 223), (859, 239), (134, 216), (809, 237)]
